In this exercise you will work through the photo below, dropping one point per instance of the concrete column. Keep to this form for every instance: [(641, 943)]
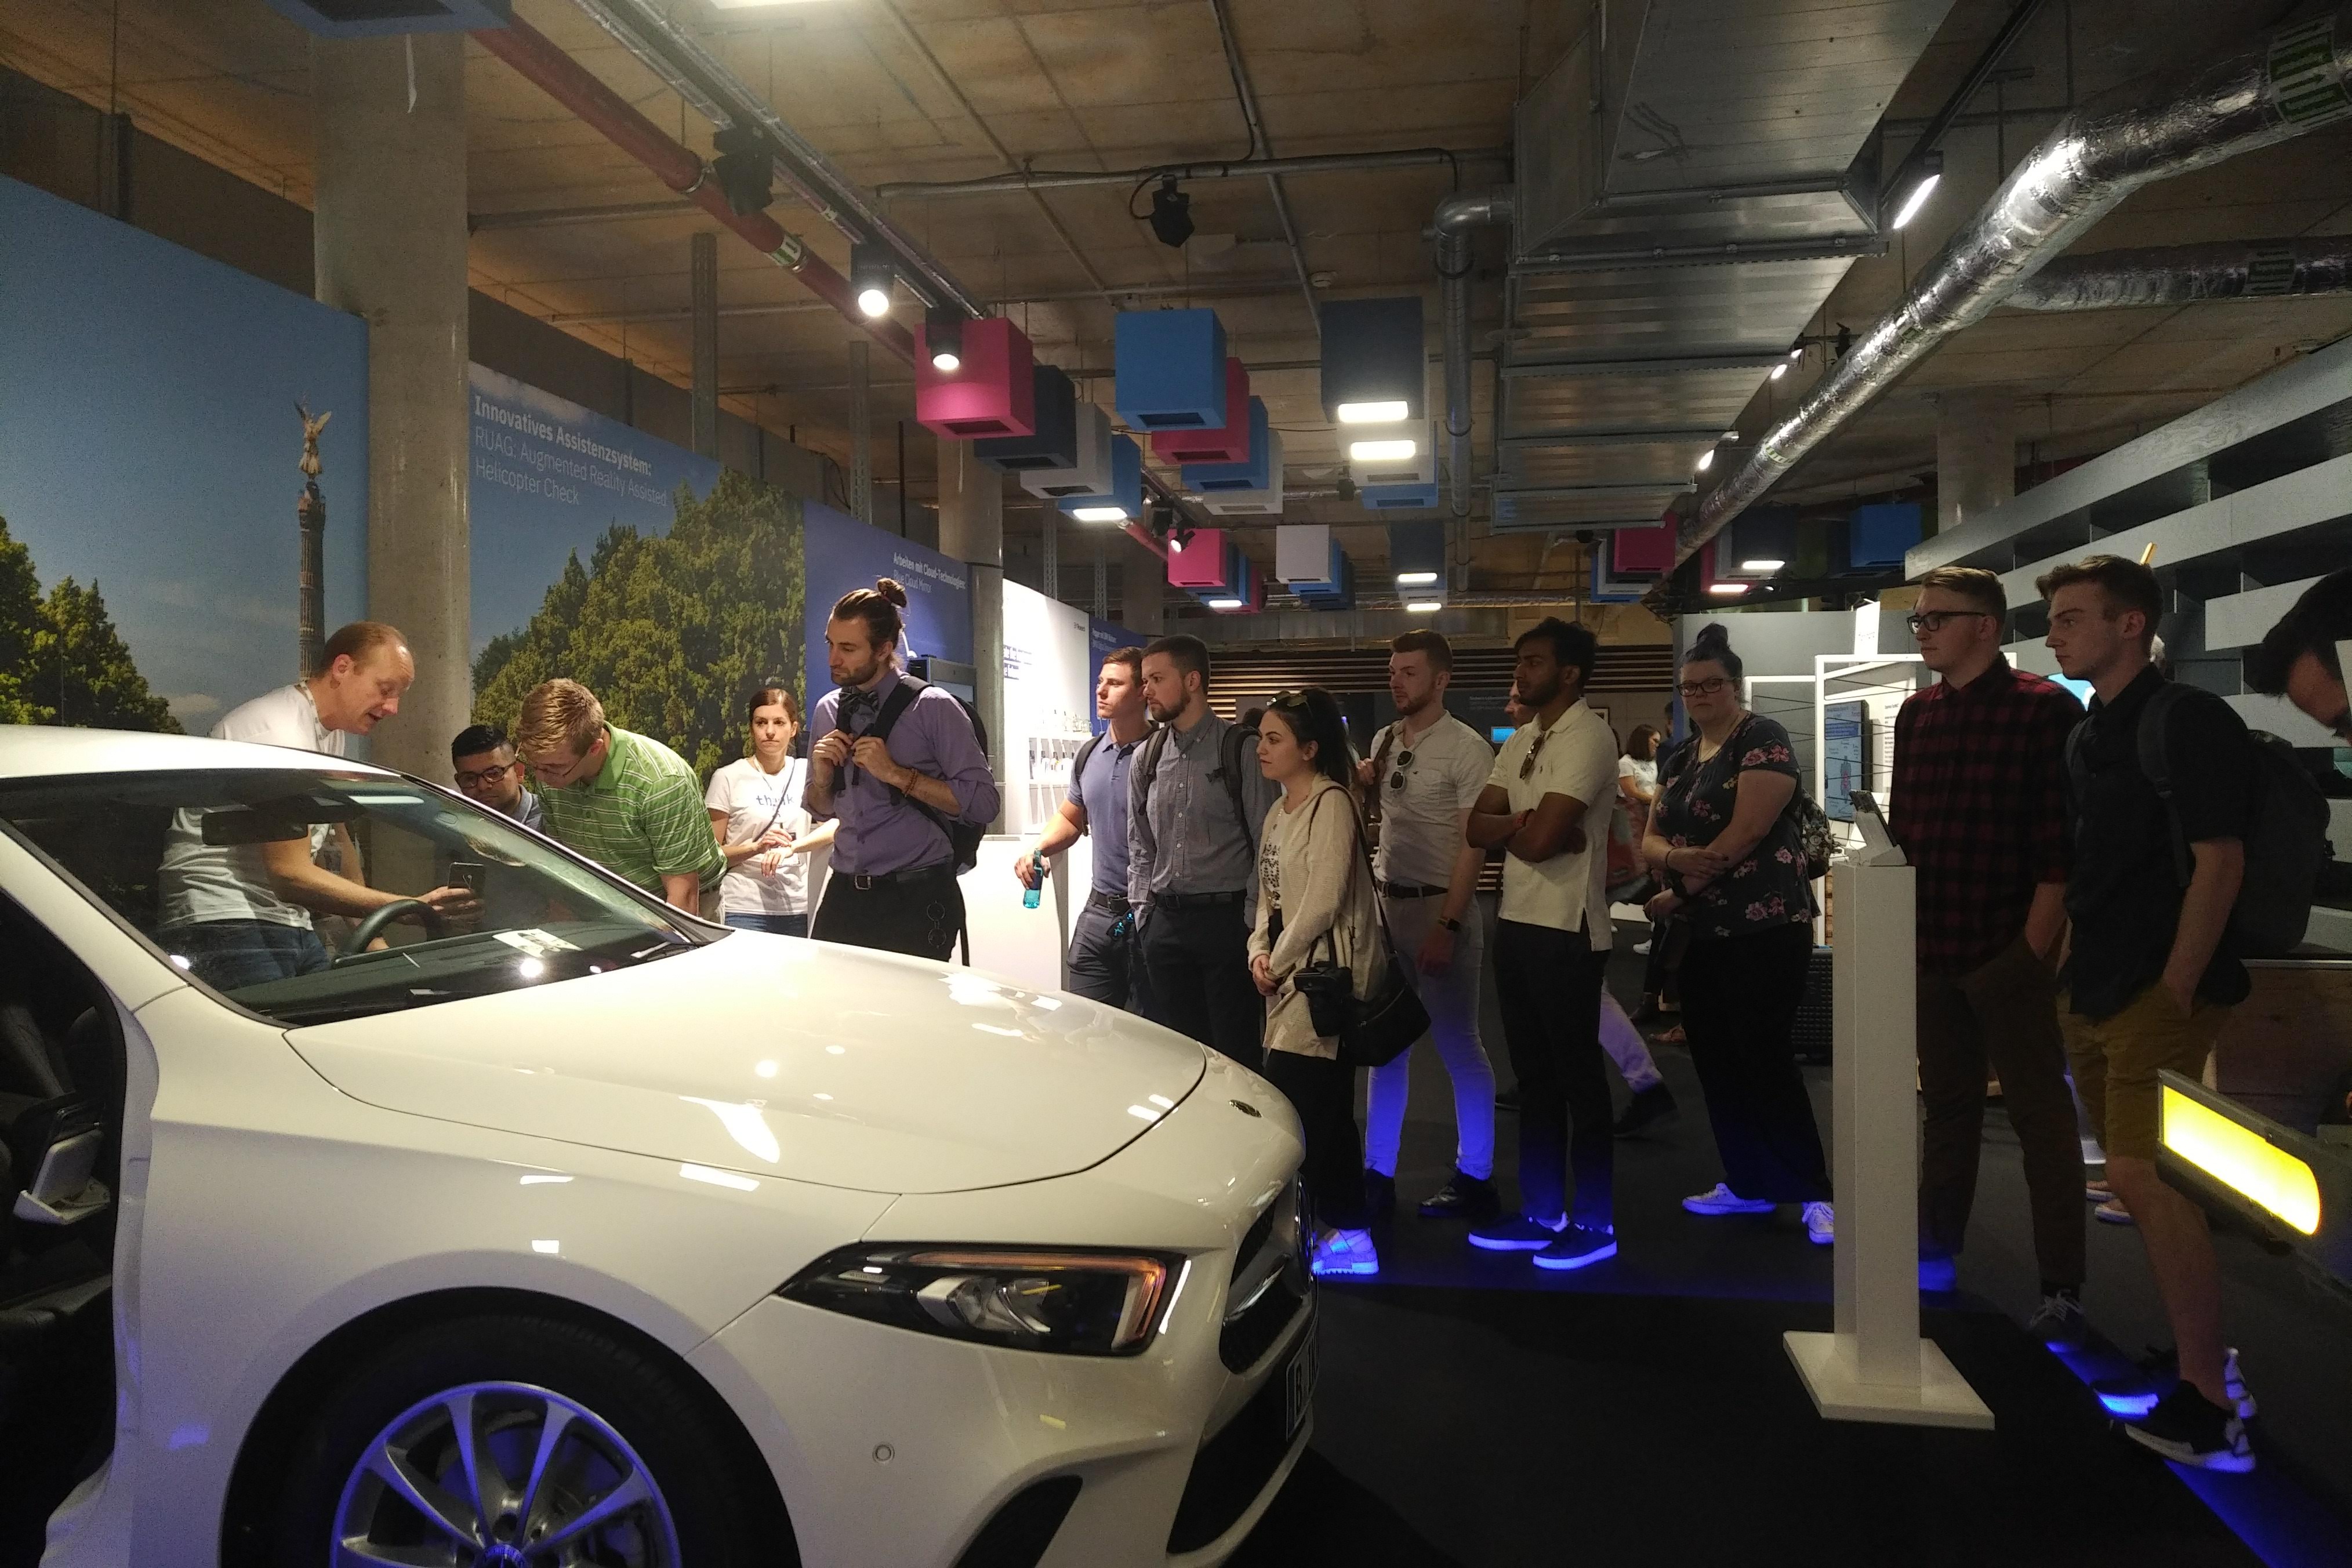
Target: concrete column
[(390, 238), (1976, 454), (861, 434), (971, 530), (1142, 590), (703, 258)]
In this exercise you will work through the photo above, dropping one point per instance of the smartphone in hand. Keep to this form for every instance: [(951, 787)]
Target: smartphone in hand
[(468, 875)]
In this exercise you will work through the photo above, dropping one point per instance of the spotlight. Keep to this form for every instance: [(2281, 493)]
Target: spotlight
[(1843, 343), (1706, 460), (1931, 171), (871, 275), (1182, 537), (1780, 370), (744, 168), (943, 335), (1171, 214)]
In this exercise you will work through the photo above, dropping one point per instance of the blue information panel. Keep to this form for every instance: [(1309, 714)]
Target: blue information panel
[(1845, 757)]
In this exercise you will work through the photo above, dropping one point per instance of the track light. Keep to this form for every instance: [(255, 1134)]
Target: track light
[(1706, 460), (1931, 171), (870, 276), (1780, 370), (744, 167), (1182, 537), (1171, 214), (943, 335)]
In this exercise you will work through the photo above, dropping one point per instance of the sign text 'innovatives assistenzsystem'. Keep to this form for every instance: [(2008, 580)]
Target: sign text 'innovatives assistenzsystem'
[(517, 443)]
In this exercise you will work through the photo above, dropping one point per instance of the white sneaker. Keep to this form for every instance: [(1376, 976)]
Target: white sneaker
[(1720, 1199), (1345, 1252), (1821, 1223), (1642, 950)]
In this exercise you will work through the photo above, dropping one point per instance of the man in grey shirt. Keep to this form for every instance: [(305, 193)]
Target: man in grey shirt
[(1197, 808)]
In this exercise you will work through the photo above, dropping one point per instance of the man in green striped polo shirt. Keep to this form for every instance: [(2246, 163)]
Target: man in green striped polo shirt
[(624, 800)]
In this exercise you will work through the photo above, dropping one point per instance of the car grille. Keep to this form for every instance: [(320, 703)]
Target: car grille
[(1270, 1284), (1232, 1468), (1017, 1534)]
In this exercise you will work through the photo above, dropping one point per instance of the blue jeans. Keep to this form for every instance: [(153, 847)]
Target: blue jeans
[(775, 925), (230, 955)]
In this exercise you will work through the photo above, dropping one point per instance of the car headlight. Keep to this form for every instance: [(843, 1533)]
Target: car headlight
[(1073, 1302)]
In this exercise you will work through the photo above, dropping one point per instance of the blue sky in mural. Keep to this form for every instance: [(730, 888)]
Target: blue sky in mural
[(148, 441)]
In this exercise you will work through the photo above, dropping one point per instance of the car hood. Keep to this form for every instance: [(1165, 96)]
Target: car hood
[(774, 1057)]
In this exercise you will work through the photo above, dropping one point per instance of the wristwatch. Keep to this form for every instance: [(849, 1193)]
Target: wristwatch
[(1448, 922)]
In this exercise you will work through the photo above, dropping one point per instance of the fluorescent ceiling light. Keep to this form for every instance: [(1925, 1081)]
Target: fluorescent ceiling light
[(1780, 370), (1916, 199), (1373, 413), (1382, 452), (1423, 606), (874, 302), (1100, 513), (1705, 461), (1415, 579), (1224, 604), (1761, 565), (1727, 590)]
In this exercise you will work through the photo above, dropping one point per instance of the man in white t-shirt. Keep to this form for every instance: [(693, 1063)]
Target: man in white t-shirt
[(240, 915), (1546, 803), (1425, 772)]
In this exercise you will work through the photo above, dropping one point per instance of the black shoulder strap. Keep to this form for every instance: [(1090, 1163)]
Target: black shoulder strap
[(895, 708), (2154, 733), (1078, 773), (1229, 757)]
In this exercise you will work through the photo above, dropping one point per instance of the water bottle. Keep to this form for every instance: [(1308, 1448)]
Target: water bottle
[(1036, 887)]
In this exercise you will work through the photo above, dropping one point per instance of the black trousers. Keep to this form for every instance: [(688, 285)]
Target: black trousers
[(1740, 996), (1197, 957), (921, 915), (1106, 966), (1323, 1092), (1548, 983)]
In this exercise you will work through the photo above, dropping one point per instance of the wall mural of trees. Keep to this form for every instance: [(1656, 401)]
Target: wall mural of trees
[(671, 632), (61, 661)]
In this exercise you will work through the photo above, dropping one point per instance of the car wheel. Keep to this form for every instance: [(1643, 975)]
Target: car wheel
[(518, 1442)]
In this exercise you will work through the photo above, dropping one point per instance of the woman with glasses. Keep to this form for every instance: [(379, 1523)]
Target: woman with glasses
[(761, 826), (1316, 904), (1726, 845)]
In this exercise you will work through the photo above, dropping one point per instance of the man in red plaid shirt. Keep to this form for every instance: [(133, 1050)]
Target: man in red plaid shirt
[(1979, 807)]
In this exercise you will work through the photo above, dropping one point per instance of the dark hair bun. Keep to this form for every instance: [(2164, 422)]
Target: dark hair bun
[(1712, 635), (889, 589)]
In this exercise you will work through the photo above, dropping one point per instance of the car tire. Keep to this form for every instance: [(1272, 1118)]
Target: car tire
[(624, 1414)]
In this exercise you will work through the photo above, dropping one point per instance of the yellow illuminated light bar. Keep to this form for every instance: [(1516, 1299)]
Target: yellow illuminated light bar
[(2242, 1160)]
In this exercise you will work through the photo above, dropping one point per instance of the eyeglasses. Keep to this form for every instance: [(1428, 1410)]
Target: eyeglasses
[(1396, 779), (1527, 763), (1936, 620), (486, 776), (1706, 688)]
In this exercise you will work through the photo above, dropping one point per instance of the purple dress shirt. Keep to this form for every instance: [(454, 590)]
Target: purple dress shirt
[(882, 830)]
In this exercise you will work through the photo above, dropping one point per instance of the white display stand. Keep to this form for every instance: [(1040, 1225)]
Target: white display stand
[(1008, 939), (1874, 1366)]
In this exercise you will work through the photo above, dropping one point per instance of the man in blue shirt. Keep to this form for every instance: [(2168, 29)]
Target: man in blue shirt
[(1103, 964)]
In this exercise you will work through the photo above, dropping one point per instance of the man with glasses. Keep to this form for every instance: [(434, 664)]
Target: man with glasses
[(1979, 807), (1551, 949), (1425, 772), (486, 772)]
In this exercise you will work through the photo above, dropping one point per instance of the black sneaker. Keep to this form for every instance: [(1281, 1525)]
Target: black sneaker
[(2190, 1429), (1473, 1198), (2134, 1395), (1509, 1100), (1380, 1194), (1647, 1105), (2059, 1322)]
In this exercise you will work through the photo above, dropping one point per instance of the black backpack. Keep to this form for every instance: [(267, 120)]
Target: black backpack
[(1233, 754), (963, 837), (2287, 826)]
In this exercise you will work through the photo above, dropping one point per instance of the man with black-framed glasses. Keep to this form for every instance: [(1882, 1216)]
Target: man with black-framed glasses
[(482, 762), (1425, 772)]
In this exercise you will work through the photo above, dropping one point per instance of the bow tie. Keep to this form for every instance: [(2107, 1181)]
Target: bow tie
[(857, 704)]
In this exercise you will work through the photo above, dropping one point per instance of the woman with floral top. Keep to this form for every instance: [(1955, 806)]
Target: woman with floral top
[(1726, 844)]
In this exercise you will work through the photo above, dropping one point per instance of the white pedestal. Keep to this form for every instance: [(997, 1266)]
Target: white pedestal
[(1876, 1368)]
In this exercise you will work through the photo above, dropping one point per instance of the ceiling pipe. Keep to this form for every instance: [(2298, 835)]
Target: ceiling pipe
[(2251, 270), (537, 60), (1449, 227), (1260, 148), (2286, 82), (1223, 169)]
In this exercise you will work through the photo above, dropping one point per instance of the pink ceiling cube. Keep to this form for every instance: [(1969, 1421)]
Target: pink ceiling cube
[(1202, 563), (1228, 443), (1633, 552), (992, 393)]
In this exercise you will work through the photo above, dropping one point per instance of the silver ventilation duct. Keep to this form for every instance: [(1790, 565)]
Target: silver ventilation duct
[(1455, 217), (2190, 274), (2286, 82)]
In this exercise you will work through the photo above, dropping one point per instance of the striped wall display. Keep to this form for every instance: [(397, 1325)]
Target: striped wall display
[(1245, 679)]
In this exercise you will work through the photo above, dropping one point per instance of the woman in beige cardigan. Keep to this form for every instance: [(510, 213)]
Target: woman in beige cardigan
[(1315, 901)]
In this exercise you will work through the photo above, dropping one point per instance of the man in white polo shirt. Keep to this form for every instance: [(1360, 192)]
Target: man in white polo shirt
[(1425, 772), (240, 915), (1552, 948)]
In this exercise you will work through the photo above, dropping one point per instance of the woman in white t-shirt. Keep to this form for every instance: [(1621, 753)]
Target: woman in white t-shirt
[(761, 826)]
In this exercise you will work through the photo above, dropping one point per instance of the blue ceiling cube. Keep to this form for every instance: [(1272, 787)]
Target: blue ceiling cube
[(1253, 475), (1171, 368), (1877, 537)]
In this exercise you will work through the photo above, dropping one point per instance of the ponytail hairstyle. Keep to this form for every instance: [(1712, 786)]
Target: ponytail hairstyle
[(878, 607), (1713, 646)]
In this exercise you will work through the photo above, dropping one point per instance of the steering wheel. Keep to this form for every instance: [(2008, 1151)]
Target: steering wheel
[(368, 930)]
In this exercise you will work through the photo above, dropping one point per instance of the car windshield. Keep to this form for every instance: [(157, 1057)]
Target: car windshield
[(265, 884)]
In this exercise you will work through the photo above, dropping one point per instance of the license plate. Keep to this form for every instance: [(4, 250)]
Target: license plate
[(1298, 1386)]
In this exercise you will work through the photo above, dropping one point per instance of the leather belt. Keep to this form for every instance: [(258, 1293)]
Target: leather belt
[(1195, 901), (1109, 903), (1410, 891), (931, 873)]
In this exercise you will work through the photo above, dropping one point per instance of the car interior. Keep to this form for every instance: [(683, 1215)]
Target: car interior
[(61, 1118)]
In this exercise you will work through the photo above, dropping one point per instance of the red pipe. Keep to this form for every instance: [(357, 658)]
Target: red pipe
[(563, 79)]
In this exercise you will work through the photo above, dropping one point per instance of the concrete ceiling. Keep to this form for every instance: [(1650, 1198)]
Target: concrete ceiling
[(934, 90)]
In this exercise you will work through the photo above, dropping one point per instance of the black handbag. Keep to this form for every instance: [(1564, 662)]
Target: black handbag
[(1373, 1030)]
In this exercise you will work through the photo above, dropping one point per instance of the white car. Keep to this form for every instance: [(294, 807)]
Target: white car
[(571, 1231)]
